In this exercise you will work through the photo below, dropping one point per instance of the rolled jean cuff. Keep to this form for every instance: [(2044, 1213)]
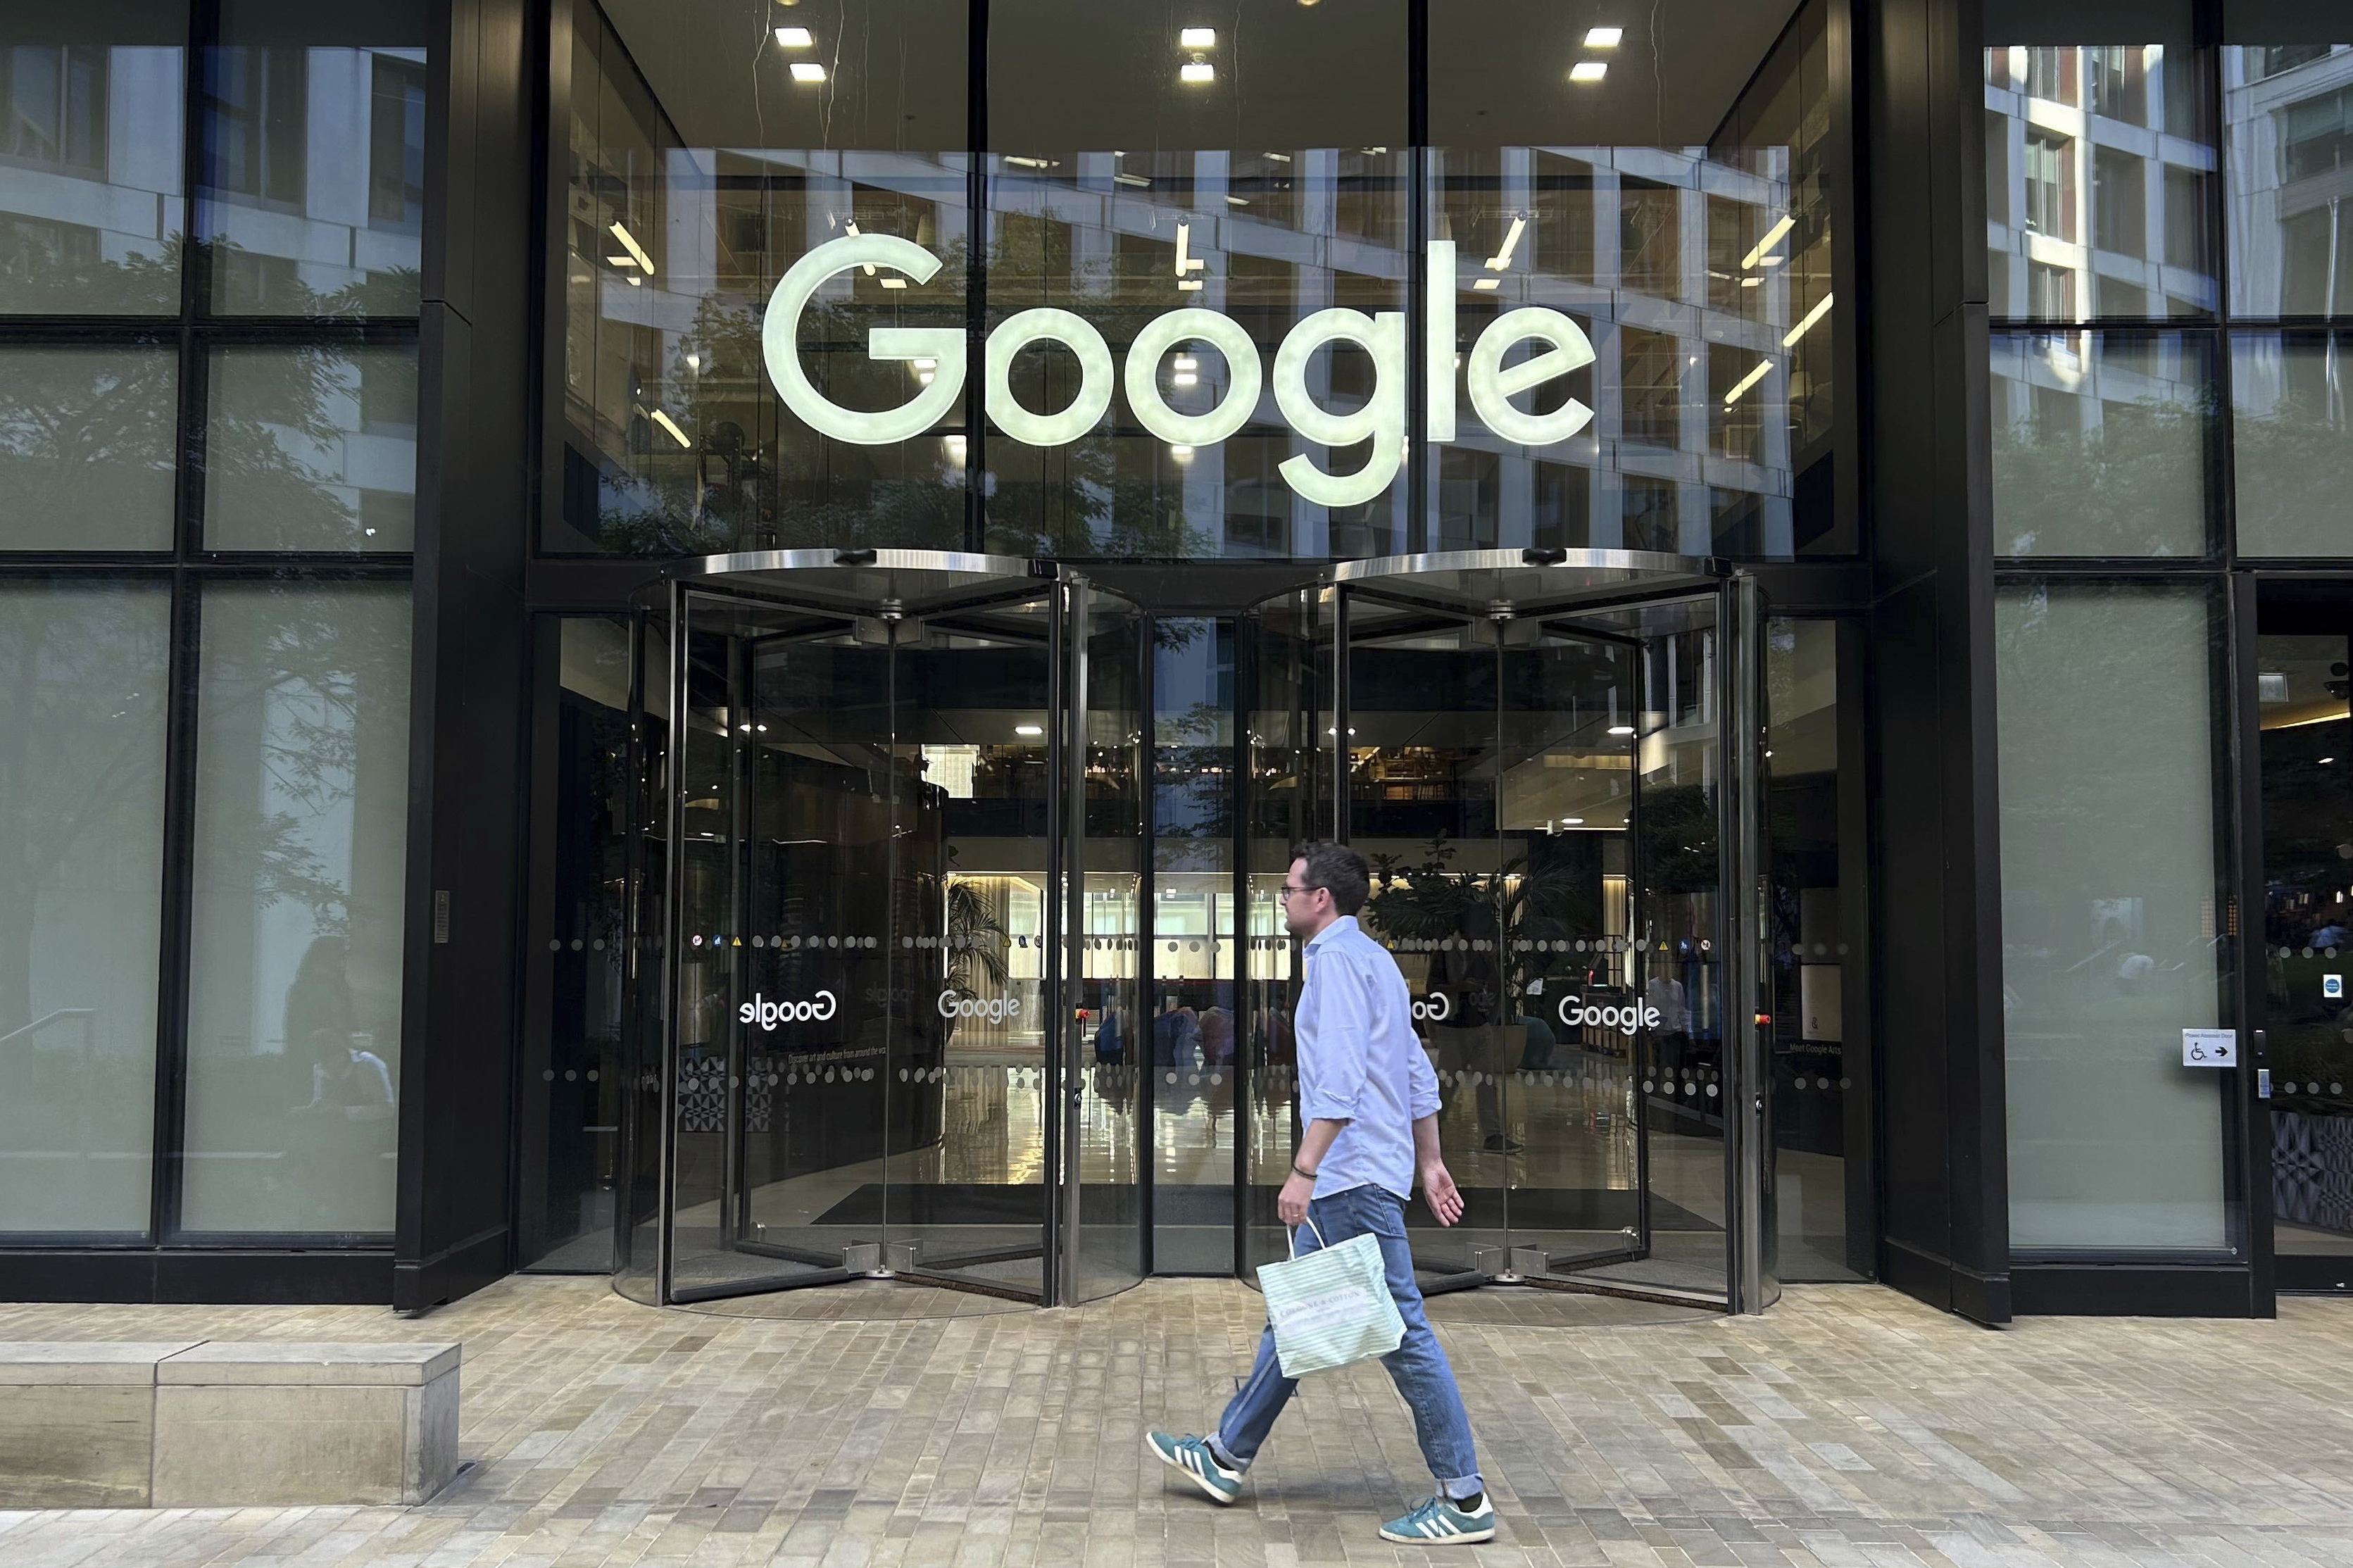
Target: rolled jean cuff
[(1217, 1452), (1469, 1486)]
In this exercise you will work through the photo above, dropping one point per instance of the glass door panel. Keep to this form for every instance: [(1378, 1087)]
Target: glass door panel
[(1567, 722), (965, 1181), (2306, 759), (1284, 672), (1103, 1232), (1553, 769), (858, 1075)]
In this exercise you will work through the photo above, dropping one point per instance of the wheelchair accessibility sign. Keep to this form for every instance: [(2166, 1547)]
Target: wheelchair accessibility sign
[(2209, 1047)]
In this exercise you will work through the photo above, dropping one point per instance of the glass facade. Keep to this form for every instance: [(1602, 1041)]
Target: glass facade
[(204, 527), (1202, 300), (1206, 342), (2189, 428)]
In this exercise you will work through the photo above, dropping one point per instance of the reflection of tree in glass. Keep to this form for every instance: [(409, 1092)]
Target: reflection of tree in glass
[(81, 684), (2132, 484)]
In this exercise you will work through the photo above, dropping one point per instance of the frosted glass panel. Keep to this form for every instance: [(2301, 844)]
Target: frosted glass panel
[(294, 993), (86, 448), (311, 449), (2104, 443), (2109, 707), (2293, 393), (81, 774)]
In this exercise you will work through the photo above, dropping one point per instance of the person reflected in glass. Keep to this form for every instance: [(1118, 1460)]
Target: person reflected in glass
[(1371, 1099)]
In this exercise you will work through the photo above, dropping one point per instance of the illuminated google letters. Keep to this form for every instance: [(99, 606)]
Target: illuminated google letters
[(1381, 421)]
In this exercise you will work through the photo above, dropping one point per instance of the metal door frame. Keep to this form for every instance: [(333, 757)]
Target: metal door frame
[(1742, 904)]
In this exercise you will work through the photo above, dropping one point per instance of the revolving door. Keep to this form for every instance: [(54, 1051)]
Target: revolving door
[(885, 895), (1553, 761)]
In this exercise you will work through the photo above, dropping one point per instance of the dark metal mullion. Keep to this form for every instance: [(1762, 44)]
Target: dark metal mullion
[(173, 980), (1147, 902), (2247, 1147), (976, 296), (169, 1134), (1638, 898), (1421, 193), (2221, 466), (1063, 908), (673, 932), (1243, 710)]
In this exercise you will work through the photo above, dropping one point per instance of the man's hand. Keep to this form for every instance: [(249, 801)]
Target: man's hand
[(1291, 1204), (1438, 1191)]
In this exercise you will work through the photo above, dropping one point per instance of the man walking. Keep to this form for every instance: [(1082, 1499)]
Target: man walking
[(1370, 1100)]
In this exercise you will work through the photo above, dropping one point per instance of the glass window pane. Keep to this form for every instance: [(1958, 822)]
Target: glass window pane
[(294, 968), (87, 440), (2099, 162), (691, 191), (311, 449), (90, 210), (2104, 443), (314, 157), (1259, 172), (2287, 108), (2109, 922), (1686, 234), (2292, 458), (82, 870), (1822, 1056)]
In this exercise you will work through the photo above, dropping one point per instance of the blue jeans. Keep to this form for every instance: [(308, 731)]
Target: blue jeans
[(1418, 1366)]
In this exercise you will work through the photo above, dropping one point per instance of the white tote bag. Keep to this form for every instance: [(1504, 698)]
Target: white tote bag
[(1330, 1307)]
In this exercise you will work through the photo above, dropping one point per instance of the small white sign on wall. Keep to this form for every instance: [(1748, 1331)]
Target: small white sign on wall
[(2209, 1047)]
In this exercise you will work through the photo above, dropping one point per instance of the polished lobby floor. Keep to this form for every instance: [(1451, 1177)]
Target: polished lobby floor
[(1570, 1145)]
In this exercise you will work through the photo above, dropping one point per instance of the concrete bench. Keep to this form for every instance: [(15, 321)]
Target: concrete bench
[(225, 1423)]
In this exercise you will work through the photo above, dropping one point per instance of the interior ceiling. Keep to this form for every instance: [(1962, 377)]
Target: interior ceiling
[(1083, 75)]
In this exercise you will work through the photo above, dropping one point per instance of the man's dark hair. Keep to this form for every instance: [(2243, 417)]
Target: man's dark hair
[(1339, 868)]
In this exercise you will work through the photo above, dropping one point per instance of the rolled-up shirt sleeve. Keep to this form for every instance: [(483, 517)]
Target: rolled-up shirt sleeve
[(1422, 1086), (1332, 1043)]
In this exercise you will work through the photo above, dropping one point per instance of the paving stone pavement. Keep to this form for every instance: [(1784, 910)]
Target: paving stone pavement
[(1849, 1427)]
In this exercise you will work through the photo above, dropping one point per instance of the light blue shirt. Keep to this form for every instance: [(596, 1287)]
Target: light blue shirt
[(1360, 1061)]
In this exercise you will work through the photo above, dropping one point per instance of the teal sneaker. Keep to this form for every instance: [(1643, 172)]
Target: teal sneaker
[(1439, 1522), (1191, 1455)]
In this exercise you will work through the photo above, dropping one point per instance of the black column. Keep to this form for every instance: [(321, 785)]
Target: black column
[(1937, 871), (468, 733)]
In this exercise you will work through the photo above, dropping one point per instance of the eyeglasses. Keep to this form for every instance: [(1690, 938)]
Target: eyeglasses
[(1287, 892)]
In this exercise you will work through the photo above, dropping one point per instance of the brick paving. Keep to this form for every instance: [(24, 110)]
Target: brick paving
[(1849, 1427)]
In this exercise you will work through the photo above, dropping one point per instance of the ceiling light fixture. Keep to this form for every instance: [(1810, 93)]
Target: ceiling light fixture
[(629, 243), (807, 71), (1588, 70), (1805, 321), (1484, 283), (1197, 71), (1197, 39), (1031, 730), (1621, 729), (1772, 237), (795, 38), (1603, 37), (1746, 382), (1502, 258), (664, 419)]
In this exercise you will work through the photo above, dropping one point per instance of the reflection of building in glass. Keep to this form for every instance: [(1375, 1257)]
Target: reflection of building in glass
[(89, 170), (1701, 274), (2096, 184), (2289, 113)]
